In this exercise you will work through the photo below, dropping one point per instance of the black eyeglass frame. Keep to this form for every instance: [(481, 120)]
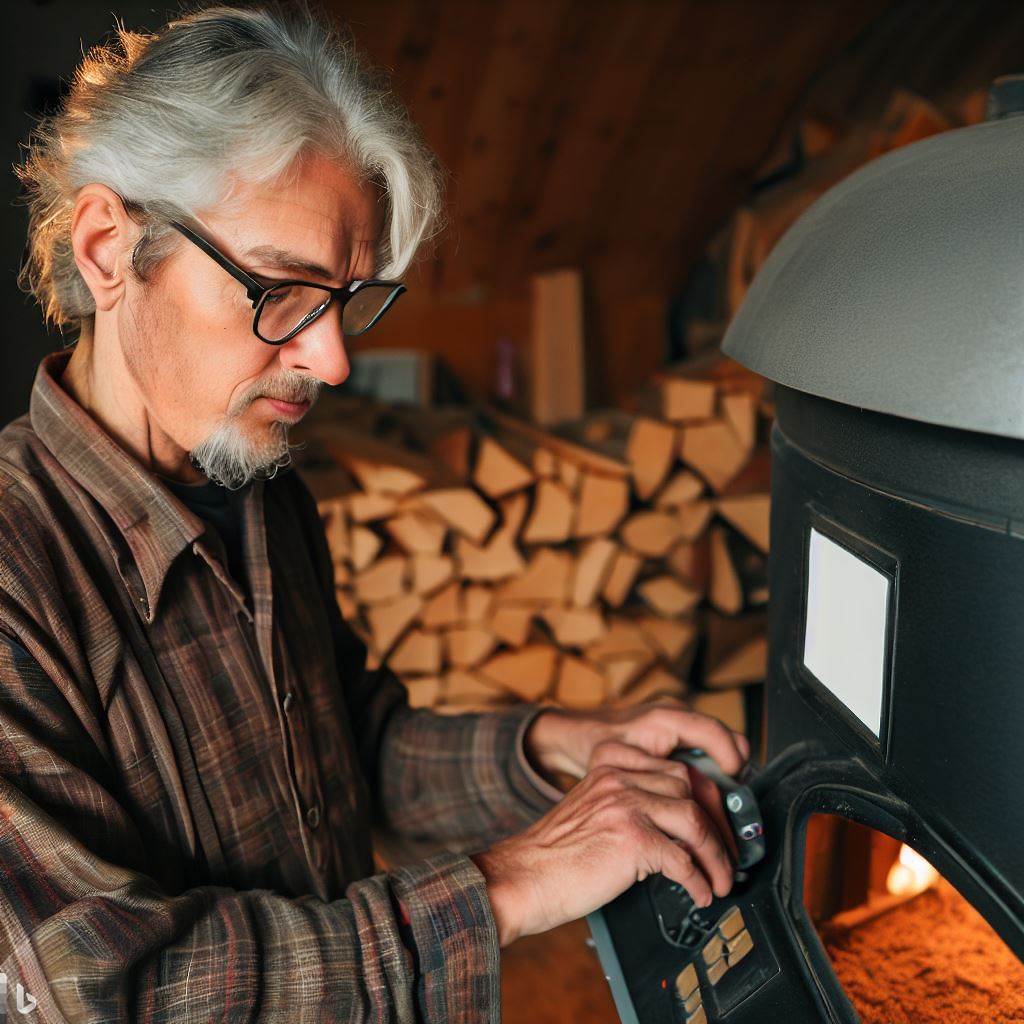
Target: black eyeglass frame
[(257, 293)]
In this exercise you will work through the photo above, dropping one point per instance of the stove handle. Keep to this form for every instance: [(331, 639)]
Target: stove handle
[(741, 807)]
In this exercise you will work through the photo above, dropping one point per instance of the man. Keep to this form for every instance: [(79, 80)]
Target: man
[(191, 745)]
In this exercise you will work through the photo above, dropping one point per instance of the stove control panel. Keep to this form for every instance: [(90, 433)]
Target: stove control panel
[(692, 964)]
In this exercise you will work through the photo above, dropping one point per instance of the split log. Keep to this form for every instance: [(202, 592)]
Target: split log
[(666, 596), (670, 636), (680, 400), (417, 533), (560, 444), (580, 685), (462, 509), (511, 623), (593, 566), (603, 503), (418, 652), (740, 411), (444, 608), (389, 621), (365, 546), (430, 573), (728, 706), (725, 640), (545, 581), (423, 693), (545, 463), (622, 639), (384, 477), (747, 665), (527, 673), (383, 581), (369, 507), (497, 473), (347, 604), (499, 558), (624, 571), (750, 515), (336, 530), (725, 592), (690, 562), (713, 450), (693, 519), (513, 513), (550, 521), (569, 473), (476, 603), (621, 673), (683, 488), (574, 627), (651, 450), (652, 534), (468, 690), (468, 646), (655, 685)]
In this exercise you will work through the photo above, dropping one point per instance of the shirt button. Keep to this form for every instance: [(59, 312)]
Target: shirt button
[(313, 816), (289, 699)]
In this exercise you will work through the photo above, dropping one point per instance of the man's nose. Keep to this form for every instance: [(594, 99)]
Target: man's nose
[(319, 349)]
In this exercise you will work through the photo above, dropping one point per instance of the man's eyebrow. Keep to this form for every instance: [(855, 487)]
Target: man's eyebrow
[(282, 259)]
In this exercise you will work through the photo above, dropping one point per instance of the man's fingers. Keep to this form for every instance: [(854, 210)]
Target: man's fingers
[(743, 743), (624, 755), (696, 730), (673, 786), (709, 796), (688, 821), (679, 865)]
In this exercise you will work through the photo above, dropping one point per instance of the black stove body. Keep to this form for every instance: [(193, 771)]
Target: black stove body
[(891, 318)]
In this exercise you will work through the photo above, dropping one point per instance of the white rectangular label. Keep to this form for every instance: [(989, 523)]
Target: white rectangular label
[(845, 638)]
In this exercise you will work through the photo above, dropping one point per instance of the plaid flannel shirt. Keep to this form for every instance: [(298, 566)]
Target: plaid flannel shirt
[(188, 774)]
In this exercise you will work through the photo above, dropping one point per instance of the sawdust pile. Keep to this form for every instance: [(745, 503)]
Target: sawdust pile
[(932, 960)]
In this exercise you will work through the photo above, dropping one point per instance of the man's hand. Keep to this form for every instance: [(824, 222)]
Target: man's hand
[(635, 813), (639, 738)]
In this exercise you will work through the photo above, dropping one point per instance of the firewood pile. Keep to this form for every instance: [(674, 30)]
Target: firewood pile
[(608, 562)]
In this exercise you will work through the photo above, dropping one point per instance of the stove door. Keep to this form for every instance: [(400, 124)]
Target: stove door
[(755, 956)]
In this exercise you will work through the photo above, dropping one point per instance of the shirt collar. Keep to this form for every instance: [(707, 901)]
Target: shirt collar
[(156, 526)]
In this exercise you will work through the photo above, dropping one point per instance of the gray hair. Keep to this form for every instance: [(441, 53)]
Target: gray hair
[(164, 119)]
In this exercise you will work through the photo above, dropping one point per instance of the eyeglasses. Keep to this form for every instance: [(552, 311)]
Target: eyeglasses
[(285, 307)]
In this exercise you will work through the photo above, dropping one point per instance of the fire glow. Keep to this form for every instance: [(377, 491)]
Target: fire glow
[(911, 874)]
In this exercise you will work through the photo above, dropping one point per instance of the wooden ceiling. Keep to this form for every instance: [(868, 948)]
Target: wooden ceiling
[(583, 129), (617, 136)]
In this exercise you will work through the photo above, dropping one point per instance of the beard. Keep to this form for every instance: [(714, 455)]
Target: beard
[(231, 459), (239, 449)]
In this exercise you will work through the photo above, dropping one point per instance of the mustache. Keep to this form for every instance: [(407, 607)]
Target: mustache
[(304, 390)]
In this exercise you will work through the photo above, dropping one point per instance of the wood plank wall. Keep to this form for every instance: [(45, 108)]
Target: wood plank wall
[(617, 136)]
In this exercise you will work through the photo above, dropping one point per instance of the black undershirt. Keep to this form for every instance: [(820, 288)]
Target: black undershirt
[(222, 509)]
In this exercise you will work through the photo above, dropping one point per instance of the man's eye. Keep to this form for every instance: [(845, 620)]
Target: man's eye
[(277, 296)]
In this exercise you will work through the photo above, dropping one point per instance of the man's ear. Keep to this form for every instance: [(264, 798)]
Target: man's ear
[(102, 236)]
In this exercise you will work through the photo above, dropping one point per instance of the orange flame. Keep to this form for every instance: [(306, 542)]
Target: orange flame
[(910, 874)]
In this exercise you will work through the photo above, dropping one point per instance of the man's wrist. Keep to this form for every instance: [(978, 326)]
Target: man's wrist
[(501, 894), (554, 745)]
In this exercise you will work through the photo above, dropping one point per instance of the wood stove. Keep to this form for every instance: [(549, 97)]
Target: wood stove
[(891, 318)]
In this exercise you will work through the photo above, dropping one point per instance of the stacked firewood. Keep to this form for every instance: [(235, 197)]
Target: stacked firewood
[(609, 562)]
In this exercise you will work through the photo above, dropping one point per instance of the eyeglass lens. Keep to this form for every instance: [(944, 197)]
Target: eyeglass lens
[(288, 307)]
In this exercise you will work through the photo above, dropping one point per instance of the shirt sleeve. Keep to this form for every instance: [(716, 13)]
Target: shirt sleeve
[(89, 936), (463, 780)]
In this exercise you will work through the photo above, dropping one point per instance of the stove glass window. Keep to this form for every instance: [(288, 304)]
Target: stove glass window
[(845, 639)]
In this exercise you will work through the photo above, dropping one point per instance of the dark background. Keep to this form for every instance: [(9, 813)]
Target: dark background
[(615, 136)]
